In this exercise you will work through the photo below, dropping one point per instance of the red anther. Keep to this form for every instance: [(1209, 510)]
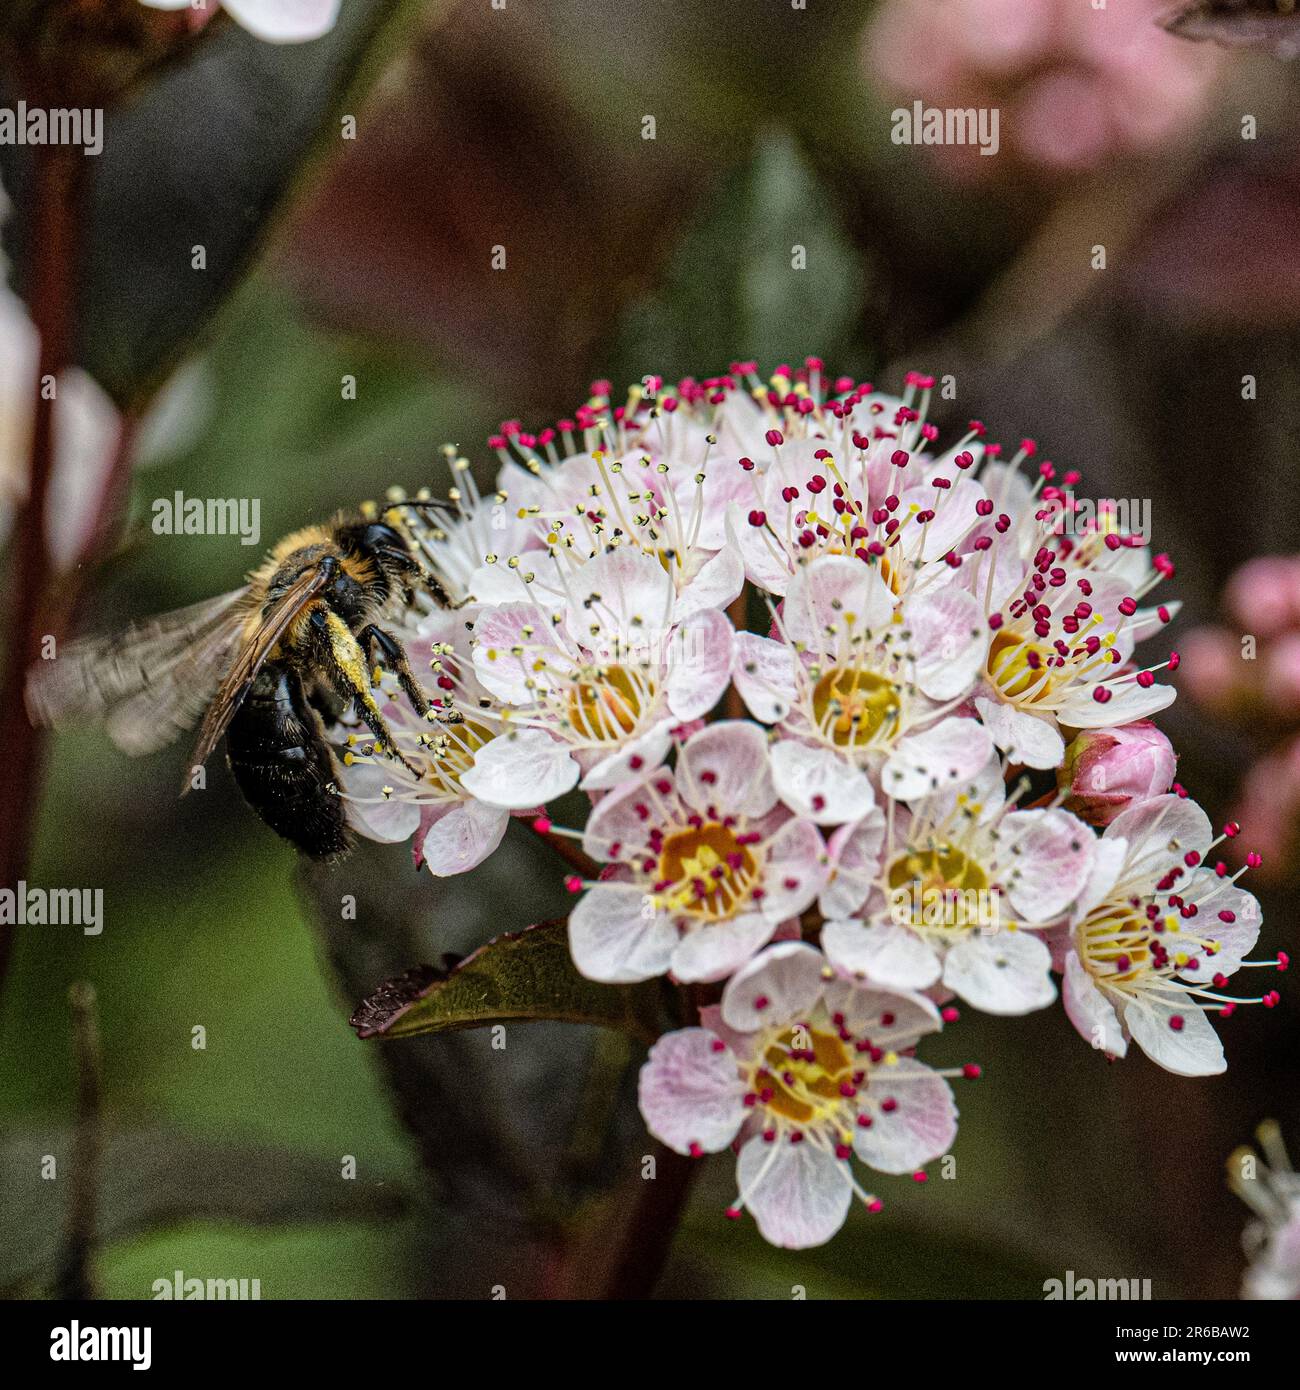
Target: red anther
[(1232, 829), (920, 1177), (542, 825), (972, 1071), (747, 464), (899, 458), (1176, 1022), (762, 1001), (733, 1213), (950, 1014), (1174, 659), (573, 883), (1145, 679), (757, 518), (774, 437), (1283, 960)]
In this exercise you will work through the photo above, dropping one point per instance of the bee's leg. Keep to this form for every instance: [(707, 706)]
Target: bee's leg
[(395, 658), (345, 663)]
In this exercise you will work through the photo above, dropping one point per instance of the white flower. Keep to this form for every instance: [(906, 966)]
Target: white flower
[(441, 790), (707, 866), (959, 885), (276, 21), (607, 676), (1062, 618), (1154, 936), (861, 683), (1272, 1191), (804, 1071)]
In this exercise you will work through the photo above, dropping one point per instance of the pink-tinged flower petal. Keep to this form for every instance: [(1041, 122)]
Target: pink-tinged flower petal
[(718, 949), (781, 983), (462, 838), (387, 821), (690, 1093), (952, 521), (764, 673), (1235, 939), (885, 953), (951, 751), (699, 664), (1006, 972), (617, 936), (506, 671), (1022, 737), (835, 594), (949, 641), (715, 585), (649, 750), (919, 1127), (282, 21), (819, 784), (1192, 1049), (629, 593), (1090, 1011), (854, 863), (725, 765), (521, 770), (622, 816), (795, 870), (799, 1194), (1159, 832), (1052, 858), (895, 1018)]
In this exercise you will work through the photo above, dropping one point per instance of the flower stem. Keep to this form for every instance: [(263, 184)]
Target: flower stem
[(58, 172)]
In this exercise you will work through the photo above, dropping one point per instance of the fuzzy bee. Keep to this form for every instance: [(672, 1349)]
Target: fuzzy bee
[(266, 665)]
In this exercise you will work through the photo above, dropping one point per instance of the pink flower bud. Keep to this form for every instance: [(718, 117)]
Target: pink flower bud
[(1107, 769)]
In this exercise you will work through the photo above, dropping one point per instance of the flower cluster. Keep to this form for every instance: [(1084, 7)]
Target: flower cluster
[(861, 728)]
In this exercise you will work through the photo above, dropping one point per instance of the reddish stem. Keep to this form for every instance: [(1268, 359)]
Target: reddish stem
[(59, 172)]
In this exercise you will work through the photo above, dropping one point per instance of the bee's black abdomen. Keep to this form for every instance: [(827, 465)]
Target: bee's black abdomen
[(283, 766)]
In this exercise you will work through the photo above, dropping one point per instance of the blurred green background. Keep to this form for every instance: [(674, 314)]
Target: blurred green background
[(524, 128)]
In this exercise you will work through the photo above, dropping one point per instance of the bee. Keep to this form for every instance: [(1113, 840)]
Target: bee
[(267, 666)]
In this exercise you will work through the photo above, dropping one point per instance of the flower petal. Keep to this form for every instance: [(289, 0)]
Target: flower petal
[(764, 673), (1087, 1007), (919, 1127), (463, 838), (1004, 973), (726, 766), (690, 1092), (520, 770), (1022, 737), (1194, 1049), (718, 949), (618, 937), (781, 983), (952, 751), (819, 784), (799, 1193), (885, 953)]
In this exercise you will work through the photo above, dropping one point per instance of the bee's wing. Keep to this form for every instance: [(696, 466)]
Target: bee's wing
[(249, 660), (146, 684)]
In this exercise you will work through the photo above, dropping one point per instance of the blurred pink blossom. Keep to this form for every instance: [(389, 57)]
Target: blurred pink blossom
[(1075, 85)]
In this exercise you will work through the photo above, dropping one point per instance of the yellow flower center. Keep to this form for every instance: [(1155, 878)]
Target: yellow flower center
[(608, 707), (945, 881), (1114, 944), (1017, 667), (707, 873), (801, 1072), (853, 706)]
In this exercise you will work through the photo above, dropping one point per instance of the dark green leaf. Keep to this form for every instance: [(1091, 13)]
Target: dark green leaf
[(524, 975), (203, 157)]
